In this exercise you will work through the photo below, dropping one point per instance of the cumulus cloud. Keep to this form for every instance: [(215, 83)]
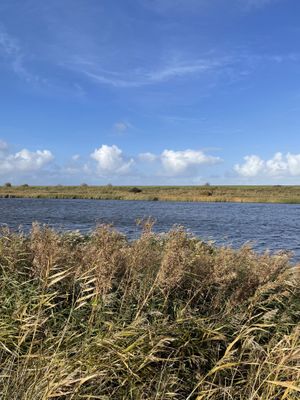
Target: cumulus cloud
[(293, 162), (185, 163), (107, 161), (24, 160), (178, 163), (252, 167), (279, 165), (182, 162), (111, 161)]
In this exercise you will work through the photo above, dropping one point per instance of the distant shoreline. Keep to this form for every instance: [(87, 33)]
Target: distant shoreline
[(233, 194)]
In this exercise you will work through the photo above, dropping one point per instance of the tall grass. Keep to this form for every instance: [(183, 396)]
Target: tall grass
[(163, 317)]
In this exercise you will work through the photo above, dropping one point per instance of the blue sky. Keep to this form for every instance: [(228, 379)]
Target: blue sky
[(150, 91)]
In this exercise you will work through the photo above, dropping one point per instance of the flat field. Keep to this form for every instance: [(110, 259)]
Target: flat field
[(248, 194)]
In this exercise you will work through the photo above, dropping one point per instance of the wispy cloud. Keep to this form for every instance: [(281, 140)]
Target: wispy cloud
[(237, 64), (13, 54), (148, 157), (139, 77), (167, 6), (121, 127), (183, 69), (192, 6), (254, 4)]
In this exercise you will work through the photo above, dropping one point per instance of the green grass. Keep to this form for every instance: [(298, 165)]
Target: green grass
[(261, 194), (163, 317)]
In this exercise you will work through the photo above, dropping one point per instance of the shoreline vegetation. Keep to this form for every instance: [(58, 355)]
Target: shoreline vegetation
[(163, 317), (239, 194)]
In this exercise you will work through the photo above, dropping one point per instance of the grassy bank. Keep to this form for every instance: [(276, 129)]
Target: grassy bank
[(163, 317), (261, 194)]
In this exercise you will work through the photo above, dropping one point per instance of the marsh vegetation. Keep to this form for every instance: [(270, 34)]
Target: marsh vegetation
[(162, 317), (256, 194)]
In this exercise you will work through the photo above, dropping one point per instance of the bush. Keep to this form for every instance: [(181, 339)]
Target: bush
[(135, 190), (25, 185), (7, 184)]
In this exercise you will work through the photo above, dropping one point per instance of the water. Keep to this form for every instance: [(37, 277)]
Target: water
[(266, 226)]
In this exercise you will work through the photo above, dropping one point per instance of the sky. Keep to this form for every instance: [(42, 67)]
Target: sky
[(150, 92)]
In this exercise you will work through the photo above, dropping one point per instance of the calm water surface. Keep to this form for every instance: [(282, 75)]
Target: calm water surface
[(267, 226)]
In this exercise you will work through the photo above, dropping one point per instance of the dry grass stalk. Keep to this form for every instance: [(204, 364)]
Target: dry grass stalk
[(163, 317)]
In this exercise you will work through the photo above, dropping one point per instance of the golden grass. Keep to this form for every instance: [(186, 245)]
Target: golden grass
[(163, 317), (260, 194)]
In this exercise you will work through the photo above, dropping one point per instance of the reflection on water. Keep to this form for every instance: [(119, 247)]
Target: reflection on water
[(267, 226)]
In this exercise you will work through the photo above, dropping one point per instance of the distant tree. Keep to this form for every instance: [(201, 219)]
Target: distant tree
[(7, 184), (25, 185), (109, 185), (84, 185), (206, 184), (135, 190)]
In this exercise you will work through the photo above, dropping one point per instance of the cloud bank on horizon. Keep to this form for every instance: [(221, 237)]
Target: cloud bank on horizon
[(108, 163), (150, 91)]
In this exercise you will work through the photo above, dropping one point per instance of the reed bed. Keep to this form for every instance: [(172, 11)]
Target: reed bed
[(163, 317)]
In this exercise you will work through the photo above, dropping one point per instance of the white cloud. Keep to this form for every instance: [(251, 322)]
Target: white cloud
[(181, 162), (276, 165), (252, 167), (24, 161), (148, 157), (279, 165), (248, 4), (166, 7), (176, 6), (3, 148), (110, 160), (181, 69), (11, 50), (173, 69), (121, 126), (105, 161), (293, 161)]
